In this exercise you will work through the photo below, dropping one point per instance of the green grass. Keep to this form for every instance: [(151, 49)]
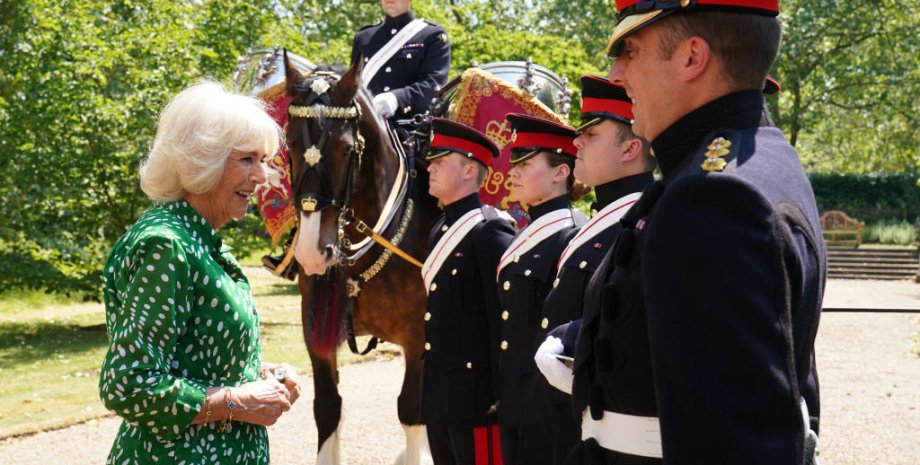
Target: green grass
[(51, 348)]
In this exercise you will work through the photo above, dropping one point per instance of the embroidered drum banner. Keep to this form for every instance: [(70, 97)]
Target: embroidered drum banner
[(482, 99)]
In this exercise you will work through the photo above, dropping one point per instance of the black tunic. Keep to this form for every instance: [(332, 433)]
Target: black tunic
[(706, 312), (462, 322), (416, 72)]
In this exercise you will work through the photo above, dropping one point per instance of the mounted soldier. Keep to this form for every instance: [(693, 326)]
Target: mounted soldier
[(406, 61)]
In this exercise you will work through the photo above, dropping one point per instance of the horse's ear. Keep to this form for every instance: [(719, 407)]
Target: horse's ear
[(293, 79), (351, 80)]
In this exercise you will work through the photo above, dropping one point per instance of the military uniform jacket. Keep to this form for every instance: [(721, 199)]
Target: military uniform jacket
[(705, 313), (462, 321), (564, 302), (523, 283), (416, 72)]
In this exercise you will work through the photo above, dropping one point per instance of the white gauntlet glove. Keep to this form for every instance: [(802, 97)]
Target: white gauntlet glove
[(385, 104), (553, 369)]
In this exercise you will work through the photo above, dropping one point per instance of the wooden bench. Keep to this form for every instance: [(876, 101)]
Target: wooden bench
[(840, 229)]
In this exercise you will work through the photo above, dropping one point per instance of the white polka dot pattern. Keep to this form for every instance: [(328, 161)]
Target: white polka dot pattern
[(180, 318)]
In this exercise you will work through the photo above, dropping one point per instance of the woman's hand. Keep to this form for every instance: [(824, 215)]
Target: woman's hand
[(286, 374), (260, 402)]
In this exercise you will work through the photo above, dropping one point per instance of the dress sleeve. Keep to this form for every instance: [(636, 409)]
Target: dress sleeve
[(146, 308)]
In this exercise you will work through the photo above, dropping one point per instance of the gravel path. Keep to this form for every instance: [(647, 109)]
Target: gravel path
[(870, 386)]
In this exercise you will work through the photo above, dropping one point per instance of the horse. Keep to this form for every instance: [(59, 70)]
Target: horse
[(349, 172)]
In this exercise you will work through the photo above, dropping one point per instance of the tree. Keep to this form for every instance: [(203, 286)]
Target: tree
[(851, 77)]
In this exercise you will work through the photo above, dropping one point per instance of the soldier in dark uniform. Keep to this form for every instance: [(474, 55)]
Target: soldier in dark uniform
[(459, 402), (542, 178), (619, 165), (697, 342), (410, 70)]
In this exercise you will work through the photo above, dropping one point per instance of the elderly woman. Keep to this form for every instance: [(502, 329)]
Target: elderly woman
[(183, 365)]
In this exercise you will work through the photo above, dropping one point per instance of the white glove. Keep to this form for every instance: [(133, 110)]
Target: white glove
[(555, 372), (385, 104)]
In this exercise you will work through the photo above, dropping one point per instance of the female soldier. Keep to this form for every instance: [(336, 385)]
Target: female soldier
[(543, 160)]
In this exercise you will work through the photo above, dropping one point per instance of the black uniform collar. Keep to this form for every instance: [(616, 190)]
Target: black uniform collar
[(454, 211), (400, 21), (557, 203), (613, 190), (734, 111)]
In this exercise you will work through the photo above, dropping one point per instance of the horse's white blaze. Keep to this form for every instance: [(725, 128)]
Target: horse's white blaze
[(306, 250), (329, 453), (417, 452)]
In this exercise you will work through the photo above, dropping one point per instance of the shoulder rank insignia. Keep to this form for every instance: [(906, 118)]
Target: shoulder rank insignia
[(715, 151)]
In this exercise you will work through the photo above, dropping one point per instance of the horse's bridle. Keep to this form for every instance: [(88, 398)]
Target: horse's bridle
[(318, 106)]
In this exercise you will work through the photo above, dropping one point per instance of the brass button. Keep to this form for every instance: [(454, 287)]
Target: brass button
[(469, 365), (388, 69), (504, 345), (427, 316), (393, 31), (505, 315), (434, 287), (427, 346), (408, 56), (386, 88), (407, 109), (582, 265), (517, 258), (444, 228), (506, 285), (453, 272), (545, 323), (526, 272), (556, 282)]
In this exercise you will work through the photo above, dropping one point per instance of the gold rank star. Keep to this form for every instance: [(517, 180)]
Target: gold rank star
[(715, 152)]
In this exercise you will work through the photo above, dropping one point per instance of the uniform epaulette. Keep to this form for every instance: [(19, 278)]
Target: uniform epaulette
[(370, 26), (492, 213)]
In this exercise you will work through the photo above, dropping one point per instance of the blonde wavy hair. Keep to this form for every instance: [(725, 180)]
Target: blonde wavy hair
[(196, 133)]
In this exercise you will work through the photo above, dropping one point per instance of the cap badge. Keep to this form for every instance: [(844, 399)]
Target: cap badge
[(715, 151)]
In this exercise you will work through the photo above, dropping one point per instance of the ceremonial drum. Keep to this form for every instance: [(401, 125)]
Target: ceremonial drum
[(483, 95), (261, 73)]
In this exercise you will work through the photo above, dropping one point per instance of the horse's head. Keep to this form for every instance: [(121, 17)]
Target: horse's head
[(326, 148)]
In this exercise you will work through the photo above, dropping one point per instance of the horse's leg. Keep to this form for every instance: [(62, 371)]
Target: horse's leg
[(409, 403), (327, 403), (327, 408)]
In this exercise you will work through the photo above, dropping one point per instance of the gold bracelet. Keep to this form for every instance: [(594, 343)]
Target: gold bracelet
[(207, 414), (226, 425)]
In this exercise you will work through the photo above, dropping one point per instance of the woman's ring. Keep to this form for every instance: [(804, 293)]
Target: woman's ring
[(280, 374)]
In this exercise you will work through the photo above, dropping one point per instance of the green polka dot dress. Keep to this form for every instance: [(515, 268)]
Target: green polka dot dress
[(180, 318)]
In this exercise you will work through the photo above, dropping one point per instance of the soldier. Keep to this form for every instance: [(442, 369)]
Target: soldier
[(698, 347), (462, 322), (406, 60), (618, 163), (542, 178)]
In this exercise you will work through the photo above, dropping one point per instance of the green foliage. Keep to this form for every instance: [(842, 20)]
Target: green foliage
[(851, 77), (890, 232), (869, 198)]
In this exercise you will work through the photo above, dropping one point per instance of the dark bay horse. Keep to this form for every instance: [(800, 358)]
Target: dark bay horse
[(346, 166)]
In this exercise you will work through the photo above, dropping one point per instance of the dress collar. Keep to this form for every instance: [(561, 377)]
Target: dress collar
[(400, 21), (197, 226), (734, 111), (556, 203), (454, 211), (611, 191)]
